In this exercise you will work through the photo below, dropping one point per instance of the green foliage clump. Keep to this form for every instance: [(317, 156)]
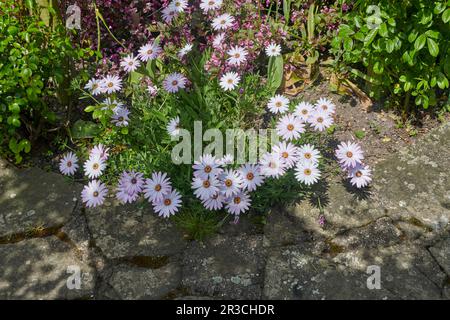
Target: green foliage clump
[(401, 49), (34, 68)]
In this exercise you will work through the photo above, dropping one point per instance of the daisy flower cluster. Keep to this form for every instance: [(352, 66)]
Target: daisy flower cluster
[(95, 192), (158, 189), (305, 158), (219, 187), (350, 157)]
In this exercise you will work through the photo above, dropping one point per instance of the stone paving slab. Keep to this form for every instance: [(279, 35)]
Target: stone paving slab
[(38, 269), (225, 267), (129, 230), (131, 283), (34, 198)]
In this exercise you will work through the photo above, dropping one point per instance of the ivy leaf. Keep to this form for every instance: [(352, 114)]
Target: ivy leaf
[(433, 47)]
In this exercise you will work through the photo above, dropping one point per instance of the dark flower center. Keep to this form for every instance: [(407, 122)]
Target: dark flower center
[(95, 194), (250, 176), (290, 127), (285, 155), (167, 202), (319, 119), (206, 184), (158, 187), (69, 163), (228, 182), (96, 166), (358, 174), (237, 200), (208, 169), (349, 154)]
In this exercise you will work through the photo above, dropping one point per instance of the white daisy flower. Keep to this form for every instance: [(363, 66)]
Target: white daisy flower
[(132, 182), (69, 164), (215, 202), (206, 167), (94, 86), (223, 22), (94, 166), (307, 173), (149, 51), (100, 151), (121, 117), (304, 110), (289, 127), (168, 14), (185, 50), (179, 5), (278, 104), (174, 82), (273, 50), (173, 127), (349, 154), (112, 104), (94, 194), (156, 187), (111, 84), (207, 5), (229, 81), (218, 40), (130, 63), (251, 176), (169, 205), (308, 154), (226, 160), (237, 55), (360, 176), (325, 105), (272, 165), (238, 203), (320, 120), (205, 188), (288, 152), (231, 182)]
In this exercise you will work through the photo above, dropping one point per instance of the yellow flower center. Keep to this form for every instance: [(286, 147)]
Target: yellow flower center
[(228, 183), (349, 154), (206, 184), (285, 155), (304, 111), (237, 200), (250, 176), (308, 155), (158, 187), (307, 172), (110, 84), (290, 127)]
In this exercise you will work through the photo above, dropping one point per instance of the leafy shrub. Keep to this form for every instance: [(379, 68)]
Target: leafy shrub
[(401, 50), (34, 68)]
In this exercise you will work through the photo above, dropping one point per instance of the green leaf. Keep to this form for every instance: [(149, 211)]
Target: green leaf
[(420, 42), (85, 129), (433, 47), (370, 37), (360, 134), (275, 73), (446, 16)]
